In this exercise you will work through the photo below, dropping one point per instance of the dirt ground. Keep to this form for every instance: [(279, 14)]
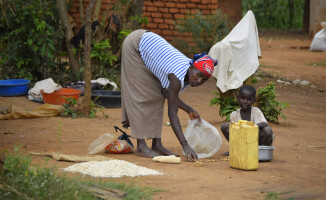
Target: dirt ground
[(297, 170)]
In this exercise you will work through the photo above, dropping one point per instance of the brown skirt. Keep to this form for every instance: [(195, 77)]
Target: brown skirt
[(141, 98)]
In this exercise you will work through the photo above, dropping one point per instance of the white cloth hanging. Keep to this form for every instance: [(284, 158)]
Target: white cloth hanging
[(237, 54)]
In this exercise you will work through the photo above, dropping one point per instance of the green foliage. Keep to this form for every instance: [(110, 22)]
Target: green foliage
[(59, 129), (102, 51), (274, 196), (134, 192), (19, 179), (227, 105), (140, 19), (206, 30), (254, 80), (71, 109), (103, 61), (31, 40), (268, 104), (105, 64), (95, 108), (123, 34), (276, 14), (320, 64)]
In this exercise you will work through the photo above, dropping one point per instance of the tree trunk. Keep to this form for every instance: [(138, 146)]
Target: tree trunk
[(81, 12), (306, 14), (136, 10), (73, 58), (97, 10), (86, 102)]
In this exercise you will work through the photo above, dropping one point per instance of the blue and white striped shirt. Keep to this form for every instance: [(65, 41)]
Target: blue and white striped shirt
[(162, 59)]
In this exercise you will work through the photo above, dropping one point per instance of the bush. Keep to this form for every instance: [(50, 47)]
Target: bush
[(276, 14), (31, 41), (227, 105), (206, 30), (268, 104)]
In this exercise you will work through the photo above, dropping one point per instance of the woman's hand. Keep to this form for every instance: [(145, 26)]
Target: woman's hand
[(189, 152), (125, 124), (194, 115)]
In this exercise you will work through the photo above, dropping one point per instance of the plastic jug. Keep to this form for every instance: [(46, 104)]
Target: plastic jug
[(243, 145)]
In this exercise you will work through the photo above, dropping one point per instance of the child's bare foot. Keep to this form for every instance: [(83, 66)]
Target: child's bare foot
[(146, 152), (164, 151), (225, 153)]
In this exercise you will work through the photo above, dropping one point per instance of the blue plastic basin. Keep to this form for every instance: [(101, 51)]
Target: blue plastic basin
[(13, 87)]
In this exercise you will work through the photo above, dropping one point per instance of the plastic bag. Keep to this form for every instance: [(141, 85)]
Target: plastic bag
[(319, 41), (119, 146), (122, 145), (203, 138), (101, 143), (111, 144), (124, 136)]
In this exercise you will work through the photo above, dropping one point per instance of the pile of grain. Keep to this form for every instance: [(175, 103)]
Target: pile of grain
[(111, 169)]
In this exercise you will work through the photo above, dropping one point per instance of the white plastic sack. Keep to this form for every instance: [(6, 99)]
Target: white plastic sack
[(100, 143), (319, 41), (203, 138)]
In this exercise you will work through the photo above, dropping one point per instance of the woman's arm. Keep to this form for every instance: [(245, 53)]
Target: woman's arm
[(173, 106), (193, 114)]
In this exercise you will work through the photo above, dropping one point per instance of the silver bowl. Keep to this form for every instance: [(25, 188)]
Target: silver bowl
[(265, 153)]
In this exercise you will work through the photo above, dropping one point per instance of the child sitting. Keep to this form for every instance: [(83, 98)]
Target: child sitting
[(246, 98)]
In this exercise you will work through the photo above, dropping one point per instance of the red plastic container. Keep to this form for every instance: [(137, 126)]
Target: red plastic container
[(59, 97)]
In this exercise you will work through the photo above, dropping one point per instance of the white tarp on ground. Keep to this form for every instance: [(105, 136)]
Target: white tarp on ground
[(237, 54)]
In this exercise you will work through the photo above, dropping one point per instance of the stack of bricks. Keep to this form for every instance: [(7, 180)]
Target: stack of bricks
[(163, 13)]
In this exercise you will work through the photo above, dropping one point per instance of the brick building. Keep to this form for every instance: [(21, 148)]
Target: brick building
[(162, 13)]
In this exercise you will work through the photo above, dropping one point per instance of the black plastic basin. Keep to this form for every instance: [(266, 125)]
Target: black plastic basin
[(107, 98)]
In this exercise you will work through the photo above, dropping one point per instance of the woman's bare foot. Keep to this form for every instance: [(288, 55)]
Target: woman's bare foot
[(164, 151), (146, 152), (143, 150), (158, 148)]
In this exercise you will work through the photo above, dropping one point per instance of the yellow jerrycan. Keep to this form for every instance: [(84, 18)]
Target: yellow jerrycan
[(243, 145)]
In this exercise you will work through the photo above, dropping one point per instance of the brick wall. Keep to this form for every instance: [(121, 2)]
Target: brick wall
[(232, 8), (162, 13)]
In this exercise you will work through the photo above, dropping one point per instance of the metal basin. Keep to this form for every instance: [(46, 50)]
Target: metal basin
[(265, 153)]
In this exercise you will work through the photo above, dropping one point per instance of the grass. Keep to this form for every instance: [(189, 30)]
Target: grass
[(21, 180), (320, 64), (269, 66), (274, 196)]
